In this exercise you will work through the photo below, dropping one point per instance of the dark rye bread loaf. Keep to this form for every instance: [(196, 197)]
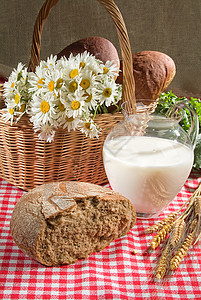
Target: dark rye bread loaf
[(59, 223)]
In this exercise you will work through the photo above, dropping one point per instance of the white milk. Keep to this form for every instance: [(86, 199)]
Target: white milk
[(149, 171)]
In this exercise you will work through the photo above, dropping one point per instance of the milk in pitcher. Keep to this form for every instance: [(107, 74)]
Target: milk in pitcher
[(149, 171)]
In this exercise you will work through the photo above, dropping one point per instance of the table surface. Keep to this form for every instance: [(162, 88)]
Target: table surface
[(113, 273)]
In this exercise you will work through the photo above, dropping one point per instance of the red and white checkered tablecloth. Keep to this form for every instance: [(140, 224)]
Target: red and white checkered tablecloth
[(113, 273)]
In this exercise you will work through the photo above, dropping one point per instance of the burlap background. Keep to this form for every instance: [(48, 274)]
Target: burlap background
[(169, 26)]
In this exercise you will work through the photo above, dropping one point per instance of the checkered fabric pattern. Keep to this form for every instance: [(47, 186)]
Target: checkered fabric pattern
[(113, 273)]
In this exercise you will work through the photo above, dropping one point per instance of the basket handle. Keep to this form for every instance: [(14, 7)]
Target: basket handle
[(128, 89)]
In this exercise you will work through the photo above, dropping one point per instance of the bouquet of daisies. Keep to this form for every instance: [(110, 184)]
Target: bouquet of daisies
[(64, 93)]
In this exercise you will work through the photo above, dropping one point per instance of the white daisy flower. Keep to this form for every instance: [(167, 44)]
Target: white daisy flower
[(8, 115), (14, 110), (72, 68), (9, 87), (49, 64), (88, 81), (37, 80), (71, 72), (62, 64), (16, 82), (60, 112), (110, 69), (70, 123), (42, 110), (17, 98), (75, 106), (46, 82), (18, 73), (108, 92), (89, 128), (96, 67), (11, 104), (47, 133), (88, 61), (91, 99), (85, 59), (53, 82), (73, 85)]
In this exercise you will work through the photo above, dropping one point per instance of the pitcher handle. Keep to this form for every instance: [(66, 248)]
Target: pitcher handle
[(177, 112)]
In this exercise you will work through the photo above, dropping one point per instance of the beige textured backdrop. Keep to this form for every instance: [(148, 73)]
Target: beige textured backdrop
[(169, 26)]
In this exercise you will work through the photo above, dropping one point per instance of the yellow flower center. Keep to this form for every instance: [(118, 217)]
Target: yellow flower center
[(105, 70), (85, 83), (73, 86), (51, 86), (73, 73), (82, 64), (107, 92), (59, 83), (89, 97), (87, 126), (45, 107), (17, 98), (40, 83), (69, 119), (61, 106), (75, 105), (22, 109), (11, 111), (12, 85)]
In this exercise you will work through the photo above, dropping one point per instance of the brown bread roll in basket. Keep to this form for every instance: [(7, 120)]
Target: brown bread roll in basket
[(100, 47), (153, 72)]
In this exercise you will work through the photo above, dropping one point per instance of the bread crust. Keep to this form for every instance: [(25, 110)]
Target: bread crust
[(34, 208), (153, 71), (100, 47)]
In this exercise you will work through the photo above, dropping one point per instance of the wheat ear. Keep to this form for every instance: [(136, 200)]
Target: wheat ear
[(197, 206), (157, 240), (177, 231), (162, 223), (163, 264), (182, 251)]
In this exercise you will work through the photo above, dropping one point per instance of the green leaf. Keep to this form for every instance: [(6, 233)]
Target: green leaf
[(19, 76), (197, 154), (168, 99)]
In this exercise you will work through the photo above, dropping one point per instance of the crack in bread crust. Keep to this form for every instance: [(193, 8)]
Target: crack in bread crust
[(56, 227), (88, 227)]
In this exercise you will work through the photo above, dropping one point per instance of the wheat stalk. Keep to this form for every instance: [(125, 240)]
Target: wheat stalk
[(175, 261), (184, 231), (159, 238), (163, 264), (177, 231), (197, 205), (161, 224)]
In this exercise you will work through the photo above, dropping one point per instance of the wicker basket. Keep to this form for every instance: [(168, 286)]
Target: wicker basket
[(26, 161)]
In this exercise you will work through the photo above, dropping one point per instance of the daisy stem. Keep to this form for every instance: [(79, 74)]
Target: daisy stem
[(104, 108), (95, 112)]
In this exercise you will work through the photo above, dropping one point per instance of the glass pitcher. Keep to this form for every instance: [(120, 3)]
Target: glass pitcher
[(148, 157)]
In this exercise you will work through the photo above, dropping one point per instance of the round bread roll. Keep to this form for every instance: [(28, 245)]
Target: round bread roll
[(62, 222), (100, 47), (153, 72)]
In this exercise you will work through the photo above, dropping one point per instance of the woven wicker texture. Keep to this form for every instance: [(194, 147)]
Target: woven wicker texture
[(26, 161)]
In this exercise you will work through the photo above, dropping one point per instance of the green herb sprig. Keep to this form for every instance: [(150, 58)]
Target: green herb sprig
[(168, 99)]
